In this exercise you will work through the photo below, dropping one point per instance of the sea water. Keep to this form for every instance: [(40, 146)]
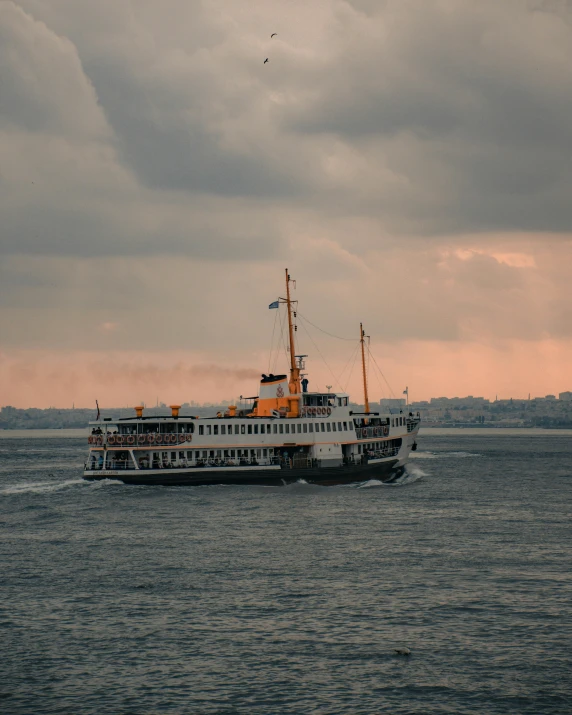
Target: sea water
[(137, 600)]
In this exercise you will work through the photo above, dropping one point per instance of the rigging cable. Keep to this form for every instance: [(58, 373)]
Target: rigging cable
[(336, 380), (324, 331), (381, 373), (355, 355)]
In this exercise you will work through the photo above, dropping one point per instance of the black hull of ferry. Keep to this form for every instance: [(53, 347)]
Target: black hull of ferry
[(323, 476)]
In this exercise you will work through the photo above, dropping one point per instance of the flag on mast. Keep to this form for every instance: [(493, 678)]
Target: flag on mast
[(276, 304)]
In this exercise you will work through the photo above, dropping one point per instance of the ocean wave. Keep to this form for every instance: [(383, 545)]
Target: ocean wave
[(39, 487)]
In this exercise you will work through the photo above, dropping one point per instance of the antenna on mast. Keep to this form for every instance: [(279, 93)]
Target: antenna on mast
[(362, 337), (294, 384)]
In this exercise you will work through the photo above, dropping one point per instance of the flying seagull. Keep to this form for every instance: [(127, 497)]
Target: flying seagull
[(265, 61), (273, 34)]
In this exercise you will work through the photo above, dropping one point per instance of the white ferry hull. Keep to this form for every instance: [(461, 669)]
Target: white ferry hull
[(385, 470)]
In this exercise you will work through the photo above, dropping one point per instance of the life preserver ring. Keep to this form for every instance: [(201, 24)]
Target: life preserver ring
[(119, 439), (190, 437), (174, 439), (90, 440), (158, 439), (151, 438), (329, 411), (99, 440), (130, 439), (386, 431), (141, 439), (376, 431), (111, 439), (320, 411)]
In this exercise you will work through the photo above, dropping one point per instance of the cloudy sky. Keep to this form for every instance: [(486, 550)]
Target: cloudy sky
[(408, 160)]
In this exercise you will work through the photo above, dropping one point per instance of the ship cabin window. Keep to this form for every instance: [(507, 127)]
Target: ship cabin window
[(262, 429), (339, 426), (332, 401), (305, 428), (209, 429), (265, 453), (333, 426), (299, 429), (287, 428), (249, 429), (255, 429), (236, 429), (345, 426), (223, 429), (328, 427), (311, 426), (281, 428), (232, 454), (275, 428), (201, 429), (215, 429), (323, 427), (242, 429), (190, 456)]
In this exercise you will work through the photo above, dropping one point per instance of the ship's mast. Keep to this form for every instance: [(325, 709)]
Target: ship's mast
[(361, 339), (294, 370)]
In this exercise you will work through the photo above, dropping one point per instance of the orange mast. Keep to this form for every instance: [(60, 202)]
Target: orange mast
[(294, 370), (361, 339)]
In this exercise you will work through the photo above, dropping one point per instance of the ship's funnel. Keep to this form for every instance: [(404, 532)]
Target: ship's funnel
[(175, 410), (139, 410)]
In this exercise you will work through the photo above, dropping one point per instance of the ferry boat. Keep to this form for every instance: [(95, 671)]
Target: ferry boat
[(288, 434)]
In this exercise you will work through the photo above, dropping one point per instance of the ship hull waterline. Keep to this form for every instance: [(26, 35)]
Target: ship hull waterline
[(384, 471)]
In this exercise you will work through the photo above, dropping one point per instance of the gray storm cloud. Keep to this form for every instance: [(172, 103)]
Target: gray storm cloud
[(155, 172)]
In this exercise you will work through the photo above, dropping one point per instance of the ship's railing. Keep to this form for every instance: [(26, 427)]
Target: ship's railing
[(372, 432), (138, 440)]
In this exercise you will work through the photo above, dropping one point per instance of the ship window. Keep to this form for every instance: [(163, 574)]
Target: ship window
[(287, 429), (232, 454), (173, 456), (345, 426), (255, 429), (359, 448), (223, 429), (333, 426), (218, 453), (209, 429), (275, 428), (205, 454), (305, 428), (249, 429), (339, 426), (323, 427), (211, 454), (259, 453), (189, 456), (242, 429), (299, 429), (236, 429), (201, 429), (262, 429), (181, 455), (215, 429), (281, 429), (311, 426)]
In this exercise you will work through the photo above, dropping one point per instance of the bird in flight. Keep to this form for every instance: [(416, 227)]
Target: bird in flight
[(273, 34), (265, 61)]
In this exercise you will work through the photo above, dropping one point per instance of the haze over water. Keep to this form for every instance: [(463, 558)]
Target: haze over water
[(208, 600)]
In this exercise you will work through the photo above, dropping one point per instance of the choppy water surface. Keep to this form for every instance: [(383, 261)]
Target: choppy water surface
[(138, 600)]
